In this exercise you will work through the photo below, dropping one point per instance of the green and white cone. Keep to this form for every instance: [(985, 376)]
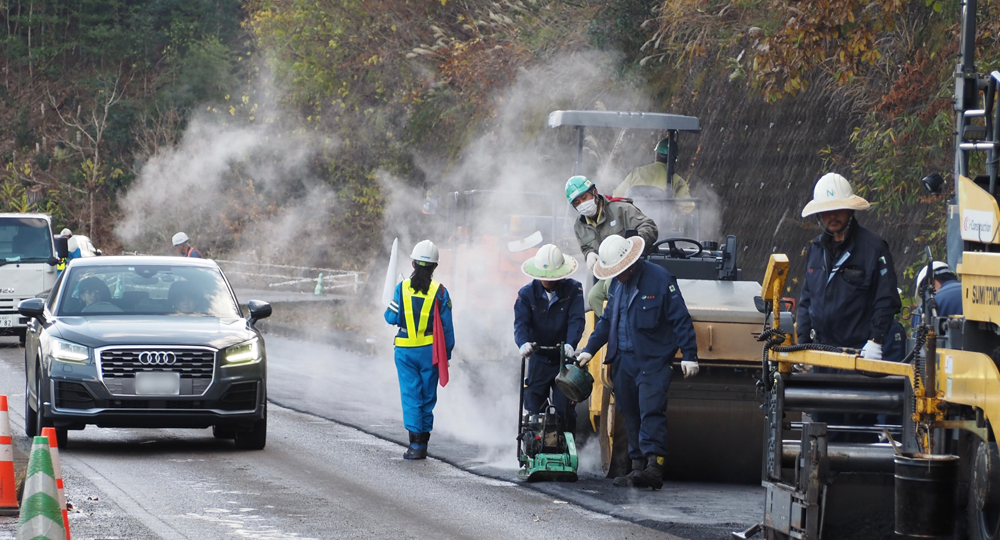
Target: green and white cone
[(319, 285), (41, 518)]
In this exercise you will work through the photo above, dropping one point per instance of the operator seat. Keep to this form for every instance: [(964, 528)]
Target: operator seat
[(670, 221)]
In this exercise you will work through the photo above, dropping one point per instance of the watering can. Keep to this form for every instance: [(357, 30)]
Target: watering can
[(573, 381)]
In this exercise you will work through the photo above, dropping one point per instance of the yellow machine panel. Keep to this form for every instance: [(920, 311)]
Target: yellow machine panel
[(979, 213), (980, 286)]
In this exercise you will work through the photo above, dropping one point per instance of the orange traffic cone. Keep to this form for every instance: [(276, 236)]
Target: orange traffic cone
[(57, 469), (8, 487)]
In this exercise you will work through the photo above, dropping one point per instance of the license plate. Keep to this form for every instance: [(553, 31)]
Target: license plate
[(7, 321), (156, 383)]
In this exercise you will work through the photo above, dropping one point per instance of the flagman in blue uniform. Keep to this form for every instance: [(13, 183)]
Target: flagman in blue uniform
[(412, 309)]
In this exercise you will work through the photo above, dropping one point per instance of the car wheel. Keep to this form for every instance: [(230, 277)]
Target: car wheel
[(224, 432), (254, 438)]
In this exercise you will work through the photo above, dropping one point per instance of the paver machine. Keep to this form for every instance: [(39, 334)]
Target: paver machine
[(714, 419), (939, 474)]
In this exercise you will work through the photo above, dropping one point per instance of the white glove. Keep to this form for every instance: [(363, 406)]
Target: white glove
[(871, 351), (591, 261), (526, 349), (690, 369), (568, 350), (583, 358)]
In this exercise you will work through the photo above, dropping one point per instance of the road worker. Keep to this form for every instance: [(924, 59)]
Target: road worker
[(644, 325), (599, 219), (548, 311), (655, 174), (414, 307), (183, 246), (947, 290)]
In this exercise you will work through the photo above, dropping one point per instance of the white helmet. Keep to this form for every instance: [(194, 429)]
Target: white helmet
[(833, 192), (425, 251), (549, 264), (66, 232), (616, 254), (180, 238), (938, 267)]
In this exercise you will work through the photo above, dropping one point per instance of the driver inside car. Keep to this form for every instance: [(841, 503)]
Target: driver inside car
[(185, 298), (95, 296)]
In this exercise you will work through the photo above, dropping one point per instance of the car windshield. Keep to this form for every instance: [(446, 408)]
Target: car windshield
[(147, 290), (24, 239)]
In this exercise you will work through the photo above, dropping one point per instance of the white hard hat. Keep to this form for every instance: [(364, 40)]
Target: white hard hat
[(617, 254), (938, 268), (65, 232), (180, 238), (425, 251), (549, 264), (833, 192)]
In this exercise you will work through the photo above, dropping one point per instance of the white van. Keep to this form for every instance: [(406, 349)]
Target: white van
[(28, 260)]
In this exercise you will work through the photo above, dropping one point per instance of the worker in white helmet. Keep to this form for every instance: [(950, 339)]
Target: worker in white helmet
[(419, 303), (548, 311), (183, 246), (945, 287)]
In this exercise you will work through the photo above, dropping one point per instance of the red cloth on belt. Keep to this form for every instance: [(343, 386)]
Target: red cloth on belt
[(439, 351)]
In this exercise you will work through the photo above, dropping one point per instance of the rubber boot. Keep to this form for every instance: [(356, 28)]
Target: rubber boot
[(418, 446), (626, 481), (652, 475)]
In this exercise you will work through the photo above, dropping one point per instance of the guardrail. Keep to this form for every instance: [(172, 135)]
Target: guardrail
[(289, 278)]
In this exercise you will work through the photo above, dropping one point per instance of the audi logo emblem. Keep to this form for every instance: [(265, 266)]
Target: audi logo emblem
[(157, 358)]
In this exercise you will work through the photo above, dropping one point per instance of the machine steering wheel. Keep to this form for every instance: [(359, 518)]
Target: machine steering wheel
[(679, 253)]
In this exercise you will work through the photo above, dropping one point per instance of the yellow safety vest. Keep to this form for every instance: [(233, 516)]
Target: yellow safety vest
[(416, 334)]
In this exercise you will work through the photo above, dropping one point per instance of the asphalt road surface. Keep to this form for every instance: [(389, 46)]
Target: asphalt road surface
[(333, 468)]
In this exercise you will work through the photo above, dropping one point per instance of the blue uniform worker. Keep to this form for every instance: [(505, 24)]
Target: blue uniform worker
[(548, 311), (412, 309), (644, 325), (947, 292)]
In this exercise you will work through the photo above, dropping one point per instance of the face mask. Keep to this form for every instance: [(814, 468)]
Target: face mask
[(587, 208)]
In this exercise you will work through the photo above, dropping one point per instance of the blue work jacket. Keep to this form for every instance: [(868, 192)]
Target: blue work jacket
[(849, 295), (536, 322), (948, 299), (658, 318)]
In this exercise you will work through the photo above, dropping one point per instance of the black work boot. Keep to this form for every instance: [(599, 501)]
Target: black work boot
[(418, 446), (652, 475), (626, 481)]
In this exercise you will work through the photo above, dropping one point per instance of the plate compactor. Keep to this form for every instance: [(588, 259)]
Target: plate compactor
[(544, 451)]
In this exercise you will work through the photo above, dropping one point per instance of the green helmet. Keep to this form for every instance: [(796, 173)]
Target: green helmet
[(663, 147), (576, 186)]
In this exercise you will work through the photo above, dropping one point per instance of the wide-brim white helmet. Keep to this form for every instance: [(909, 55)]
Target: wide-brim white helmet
[(833, 192), (617, 254)]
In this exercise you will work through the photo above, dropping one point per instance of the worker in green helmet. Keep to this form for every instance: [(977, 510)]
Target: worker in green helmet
[(655, 174), (599, 219)]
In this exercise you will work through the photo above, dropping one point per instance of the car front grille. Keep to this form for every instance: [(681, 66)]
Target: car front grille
[(195, 366)]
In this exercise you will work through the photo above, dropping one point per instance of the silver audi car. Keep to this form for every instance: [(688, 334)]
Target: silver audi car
[(157, 342)]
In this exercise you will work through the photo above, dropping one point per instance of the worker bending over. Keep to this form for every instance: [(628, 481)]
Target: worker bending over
[(548, 311)]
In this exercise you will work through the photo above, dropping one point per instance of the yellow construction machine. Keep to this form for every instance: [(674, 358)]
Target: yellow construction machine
[(938, 473)]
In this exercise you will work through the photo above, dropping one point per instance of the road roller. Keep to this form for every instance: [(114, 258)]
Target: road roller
[(714, 419), (936, 472)]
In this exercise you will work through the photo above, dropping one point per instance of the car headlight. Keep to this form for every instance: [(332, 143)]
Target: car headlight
[(66, 351), (247, 352)]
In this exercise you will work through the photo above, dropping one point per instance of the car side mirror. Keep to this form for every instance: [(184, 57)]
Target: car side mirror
[(258, 310), (52, 261), (62, 247), (32, 308), (758, 302)]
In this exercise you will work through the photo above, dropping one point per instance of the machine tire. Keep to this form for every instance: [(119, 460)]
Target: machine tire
[(254, 438), (983, 523), (614, 440)]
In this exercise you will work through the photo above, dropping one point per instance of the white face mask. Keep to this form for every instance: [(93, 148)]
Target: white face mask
[(587, 208)]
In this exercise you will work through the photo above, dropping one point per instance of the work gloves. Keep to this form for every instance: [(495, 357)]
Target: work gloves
[(689, 368), (591, 261), (871, 351), (526, 349), (568, 350), (583, 358)]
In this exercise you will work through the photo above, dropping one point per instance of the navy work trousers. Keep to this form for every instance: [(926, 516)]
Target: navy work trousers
[(641, 396), (542, 378)]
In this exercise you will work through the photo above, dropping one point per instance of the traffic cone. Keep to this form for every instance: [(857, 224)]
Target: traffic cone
[(40, 515), (319, 285), (50, 433), (8, 486)]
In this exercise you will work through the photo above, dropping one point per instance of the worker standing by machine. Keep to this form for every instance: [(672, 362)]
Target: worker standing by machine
[(548, 311), (849, 296), (645, 324), (599, 219), (947, 291), (425, 303)]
